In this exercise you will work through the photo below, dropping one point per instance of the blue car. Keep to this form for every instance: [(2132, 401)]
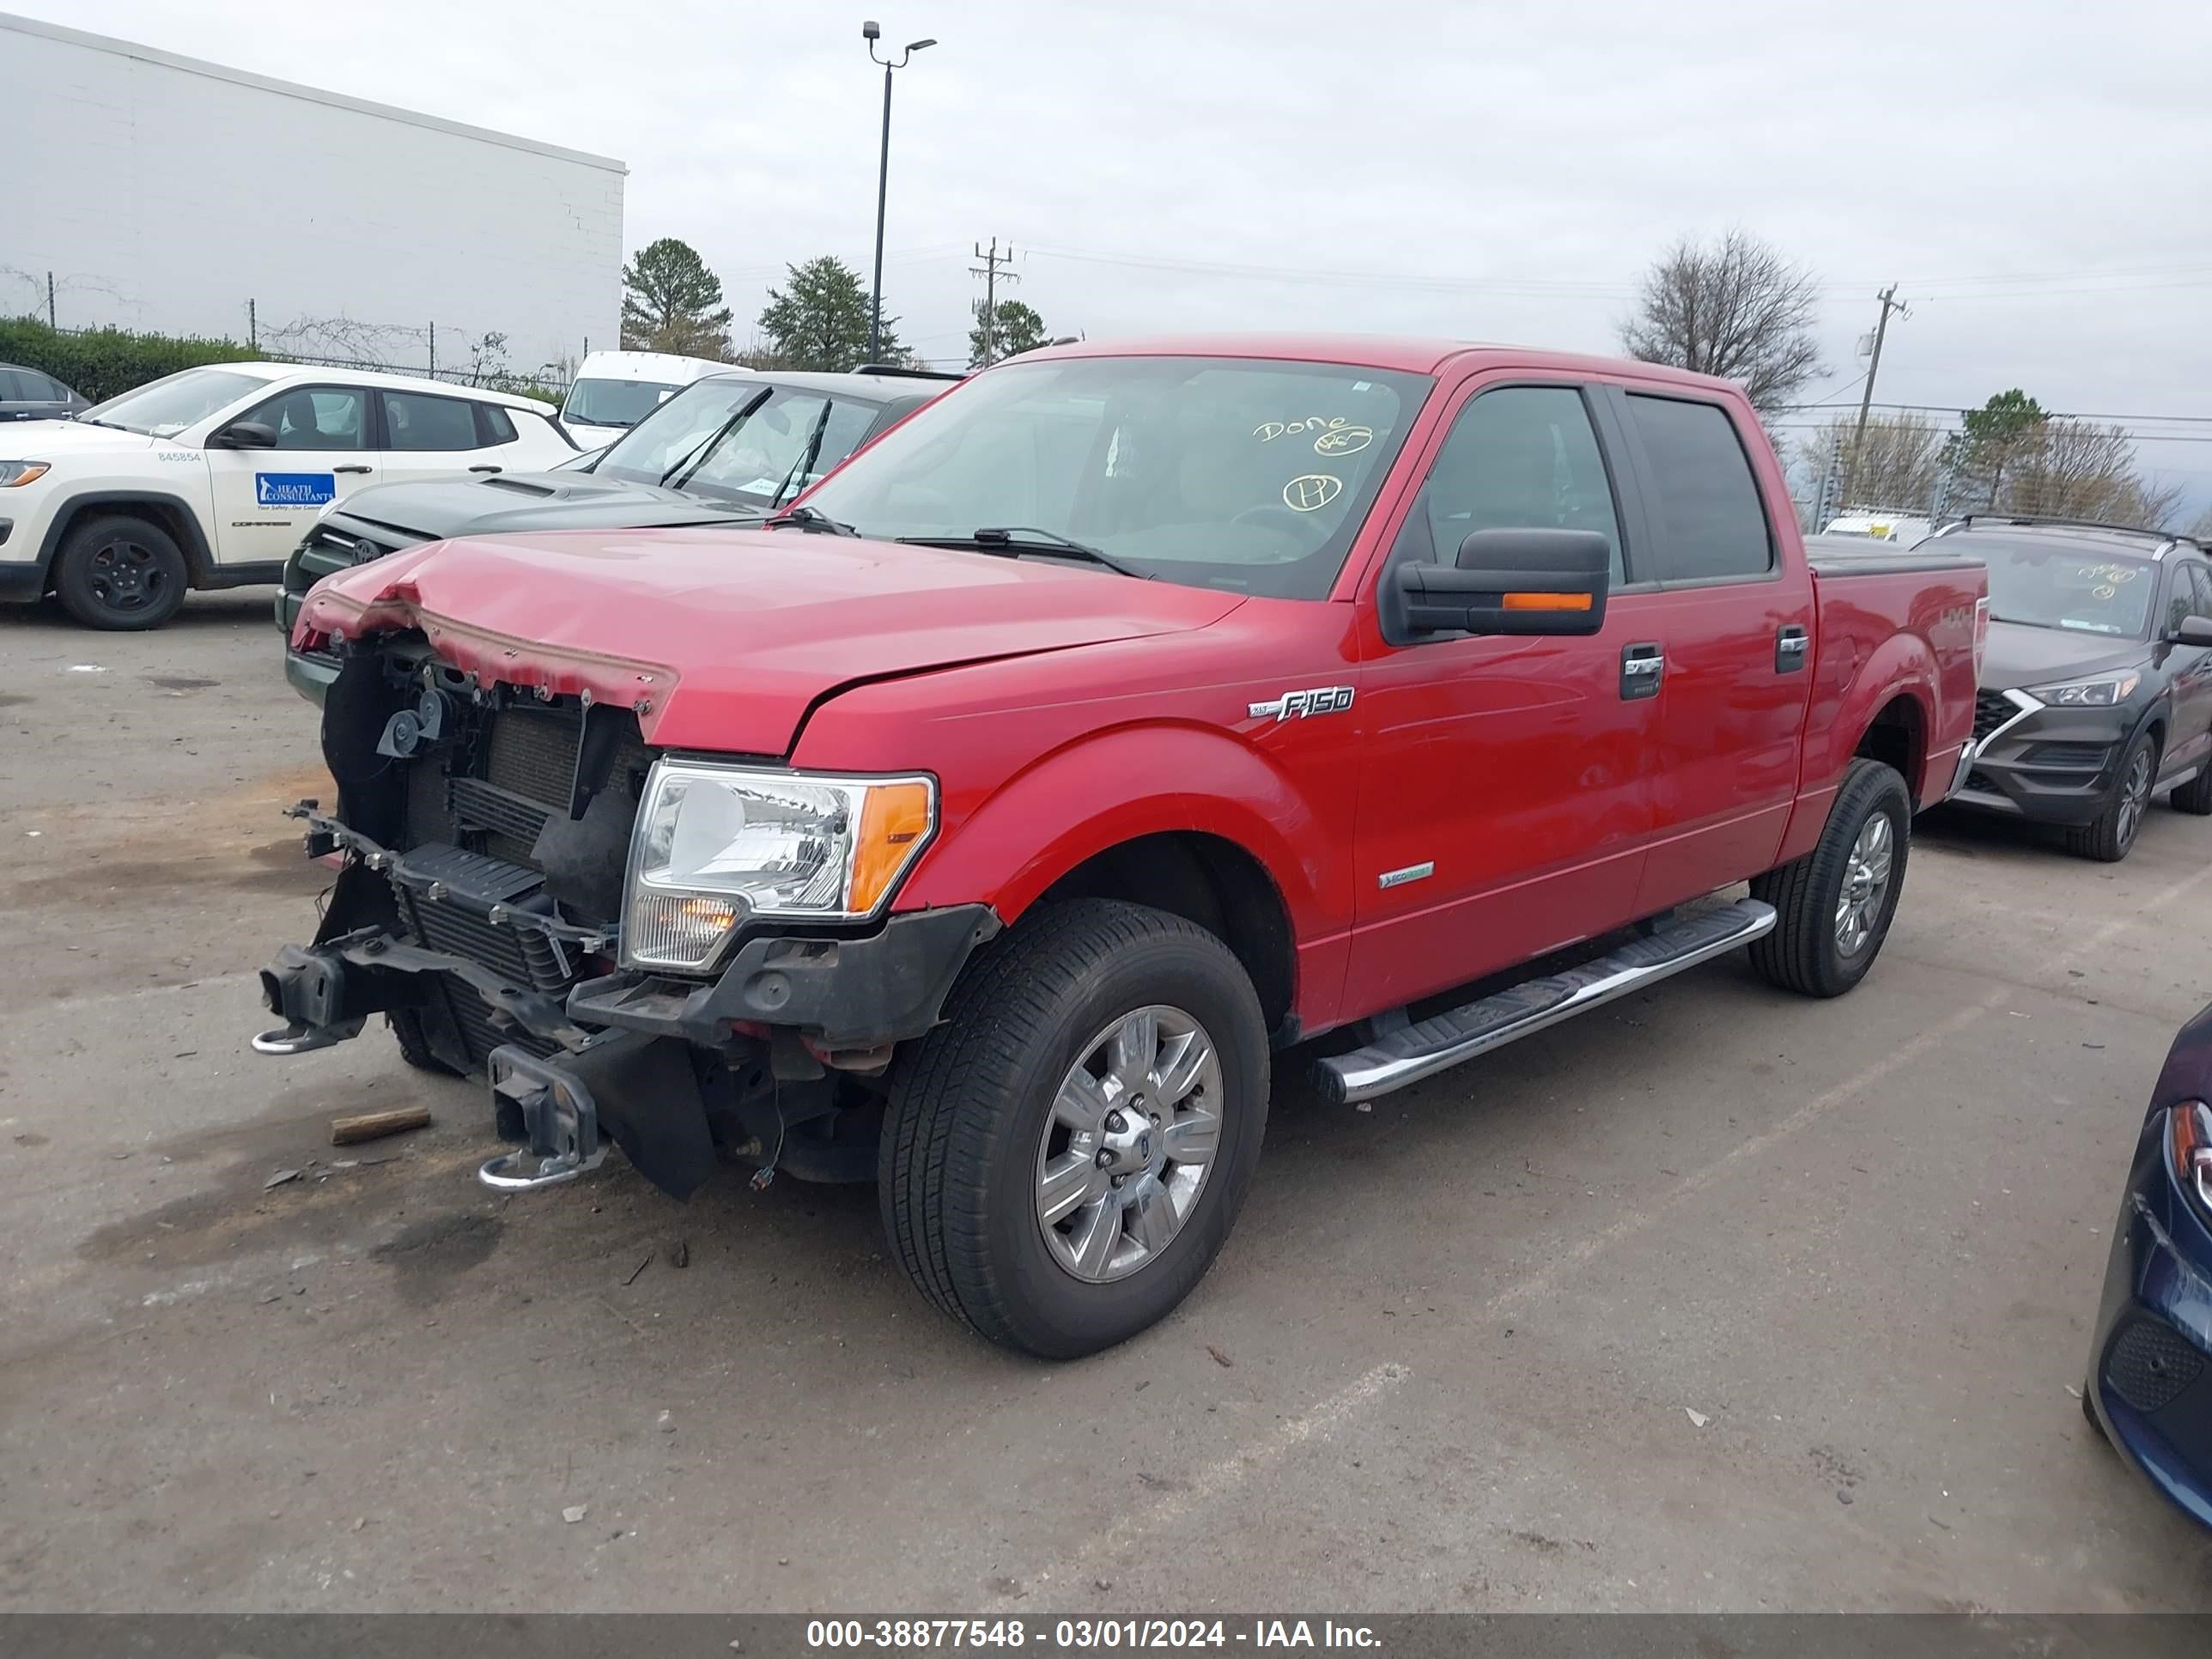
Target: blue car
[(2150, 1371)]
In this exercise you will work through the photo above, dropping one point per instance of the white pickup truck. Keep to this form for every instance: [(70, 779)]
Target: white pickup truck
[(210, 477)]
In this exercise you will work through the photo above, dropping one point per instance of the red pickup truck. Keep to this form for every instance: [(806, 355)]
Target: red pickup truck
[(989, 823)]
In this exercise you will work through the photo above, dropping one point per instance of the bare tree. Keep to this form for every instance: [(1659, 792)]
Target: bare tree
[(2079, 469), (1735, 308), (1897, 465), (2203, 528)]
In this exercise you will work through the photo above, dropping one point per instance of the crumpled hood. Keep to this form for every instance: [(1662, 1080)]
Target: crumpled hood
[(437, 509), (722, 640), (2020, 655)]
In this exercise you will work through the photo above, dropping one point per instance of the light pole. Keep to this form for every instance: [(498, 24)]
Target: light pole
[(872, 33)]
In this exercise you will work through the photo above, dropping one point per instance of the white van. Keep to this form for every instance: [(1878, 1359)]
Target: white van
[(615, 390), (1876, 525)]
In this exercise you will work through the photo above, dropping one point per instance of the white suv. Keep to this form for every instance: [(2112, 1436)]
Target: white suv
[(210, 477)]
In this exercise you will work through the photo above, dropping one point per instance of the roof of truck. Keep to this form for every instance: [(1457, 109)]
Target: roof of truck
[(1408, 355)]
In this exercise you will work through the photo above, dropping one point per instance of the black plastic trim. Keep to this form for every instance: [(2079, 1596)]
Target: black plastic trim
[(848, 993), (255, 574), (199, 558)]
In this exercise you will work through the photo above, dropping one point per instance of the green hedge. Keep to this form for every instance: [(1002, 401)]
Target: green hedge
[(106, 362)]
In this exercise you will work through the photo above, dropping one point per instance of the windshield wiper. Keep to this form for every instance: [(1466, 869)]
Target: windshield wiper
[(814, 522), (695, 457), (1012, 541), (112, 426), (804, 466)]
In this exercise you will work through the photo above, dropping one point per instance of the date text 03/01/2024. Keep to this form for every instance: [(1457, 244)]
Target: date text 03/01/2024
[(1083, 1635)]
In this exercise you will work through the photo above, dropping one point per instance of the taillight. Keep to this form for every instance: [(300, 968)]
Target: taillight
[(1981, 635)]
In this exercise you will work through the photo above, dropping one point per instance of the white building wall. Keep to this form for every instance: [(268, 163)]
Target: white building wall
[(164, 194)]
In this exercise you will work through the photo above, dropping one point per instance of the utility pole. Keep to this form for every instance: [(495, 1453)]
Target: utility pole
[(50, 323), (993, 275), (1889, 302)]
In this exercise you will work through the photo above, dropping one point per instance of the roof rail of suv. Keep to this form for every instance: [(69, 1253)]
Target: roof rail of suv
[(904, 372), (2060, 521)]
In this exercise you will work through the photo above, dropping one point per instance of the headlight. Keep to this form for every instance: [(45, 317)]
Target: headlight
[(715, 844), (2102, 692), (2192, 1150), (20, 472)]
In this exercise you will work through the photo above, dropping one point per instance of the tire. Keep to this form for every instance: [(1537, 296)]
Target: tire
[(2112, 835), (2194, 797), (120, 573), (976, 1112), (1808, 952), (406, 1025)]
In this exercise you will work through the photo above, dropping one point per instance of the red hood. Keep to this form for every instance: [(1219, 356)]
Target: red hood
[(722, 639)]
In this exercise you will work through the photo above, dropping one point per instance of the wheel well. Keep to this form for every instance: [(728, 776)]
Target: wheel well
[(1898, 739), (165, 516), (1206, 880)]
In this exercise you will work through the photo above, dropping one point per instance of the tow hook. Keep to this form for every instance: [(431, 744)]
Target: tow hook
[(560, 1123), (301, 1038)]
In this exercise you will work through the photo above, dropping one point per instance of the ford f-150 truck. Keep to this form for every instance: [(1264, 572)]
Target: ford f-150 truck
[(988, 823)]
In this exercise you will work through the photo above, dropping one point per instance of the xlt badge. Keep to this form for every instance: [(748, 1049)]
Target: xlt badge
[(1297, 705)]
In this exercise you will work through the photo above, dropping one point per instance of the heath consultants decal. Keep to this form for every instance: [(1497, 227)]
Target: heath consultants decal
[(293, 488)]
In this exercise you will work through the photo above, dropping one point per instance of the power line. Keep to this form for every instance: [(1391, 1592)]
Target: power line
[(991, 275)]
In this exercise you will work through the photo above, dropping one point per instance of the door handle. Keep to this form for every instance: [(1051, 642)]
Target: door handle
[(352, 469), (1792, 646), (485, 468), (1641, 669)]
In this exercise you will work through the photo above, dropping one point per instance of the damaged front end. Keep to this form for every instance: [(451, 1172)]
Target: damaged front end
[(485, 832)]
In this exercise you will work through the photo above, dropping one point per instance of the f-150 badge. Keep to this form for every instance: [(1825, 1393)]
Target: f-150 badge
[(1297, 705)]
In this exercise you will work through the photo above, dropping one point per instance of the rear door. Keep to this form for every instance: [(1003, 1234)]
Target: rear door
[(1734, 621), (27, 395), (266, 500), (1504, 796), (426, 435)]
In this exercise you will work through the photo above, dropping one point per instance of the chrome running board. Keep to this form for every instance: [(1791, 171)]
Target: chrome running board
[(1424, 1048)]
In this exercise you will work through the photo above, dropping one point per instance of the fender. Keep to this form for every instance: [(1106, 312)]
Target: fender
[(1133, 780), (200, 560), (1902, 665)]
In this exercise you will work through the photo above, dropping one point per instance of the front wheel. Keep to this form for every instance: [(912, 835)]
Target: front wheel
[(2112, 836), (1833, 906), (1065, 1154), (120, 572)]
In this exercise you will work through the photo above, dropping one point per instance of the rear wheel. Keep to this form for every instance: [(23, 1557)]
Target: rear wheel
[(120, 572), (2112, 835), (1065, 1154), (1833, 906)]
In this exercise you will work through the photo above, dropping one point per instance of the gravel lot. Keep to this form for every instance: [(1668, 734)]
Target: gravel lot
[(1714, 1299)]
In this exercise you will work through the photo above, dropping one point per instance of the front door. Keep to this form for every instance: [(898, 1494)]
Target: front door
[(1505, 785), (265, 500), (2191, 666)]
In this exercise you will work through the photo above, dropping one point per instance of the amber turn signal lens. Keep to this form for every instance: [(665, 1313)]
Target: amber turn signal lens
[(1546, 602), (893, 825)]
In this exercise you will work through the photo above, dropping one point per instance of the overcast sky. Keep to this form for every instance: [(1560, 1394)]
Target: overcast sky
[(2034, 174)]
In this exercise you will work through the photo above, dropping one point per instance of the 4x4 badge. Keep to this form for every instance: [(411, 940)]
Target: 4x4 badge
[(1297, 705)]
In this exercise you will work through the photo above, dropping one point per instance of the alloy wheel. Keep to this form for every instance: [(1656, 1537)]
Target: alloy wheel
[(1132, 1138), (1866, 880)]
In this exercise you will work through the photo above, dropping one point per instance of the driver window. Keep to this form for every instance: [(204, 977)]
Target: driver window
[(315, 417), (1520, 457), (2201, 600)]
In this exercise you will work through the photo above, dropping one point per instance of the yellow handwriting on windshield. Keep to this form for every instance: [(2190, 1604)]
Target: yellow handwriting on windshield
[(1335, 436)]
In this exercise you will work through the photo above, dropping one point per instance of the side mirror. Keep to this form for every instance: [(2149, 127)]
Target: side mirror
[(243, 435), (2194, 630), (1510, 581)]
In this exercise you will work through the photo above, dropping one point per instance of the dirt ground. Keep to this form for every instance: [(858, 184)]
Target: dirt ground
[(1714, 1299)]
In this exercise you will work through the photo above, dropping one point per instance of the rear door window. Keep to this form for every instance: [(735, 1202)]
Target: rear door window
[(416, 421), (1708, 519)]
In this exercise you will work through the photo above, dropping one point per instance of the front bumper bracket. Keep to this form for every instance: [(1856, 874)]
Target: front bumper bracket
[(560, 1123)]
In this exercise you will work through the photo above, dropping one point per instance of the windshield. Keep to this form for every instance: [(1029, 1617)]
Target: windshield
[(750, 443), (1248, 474), (163, 408), (2062, 587), (615, 403)]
